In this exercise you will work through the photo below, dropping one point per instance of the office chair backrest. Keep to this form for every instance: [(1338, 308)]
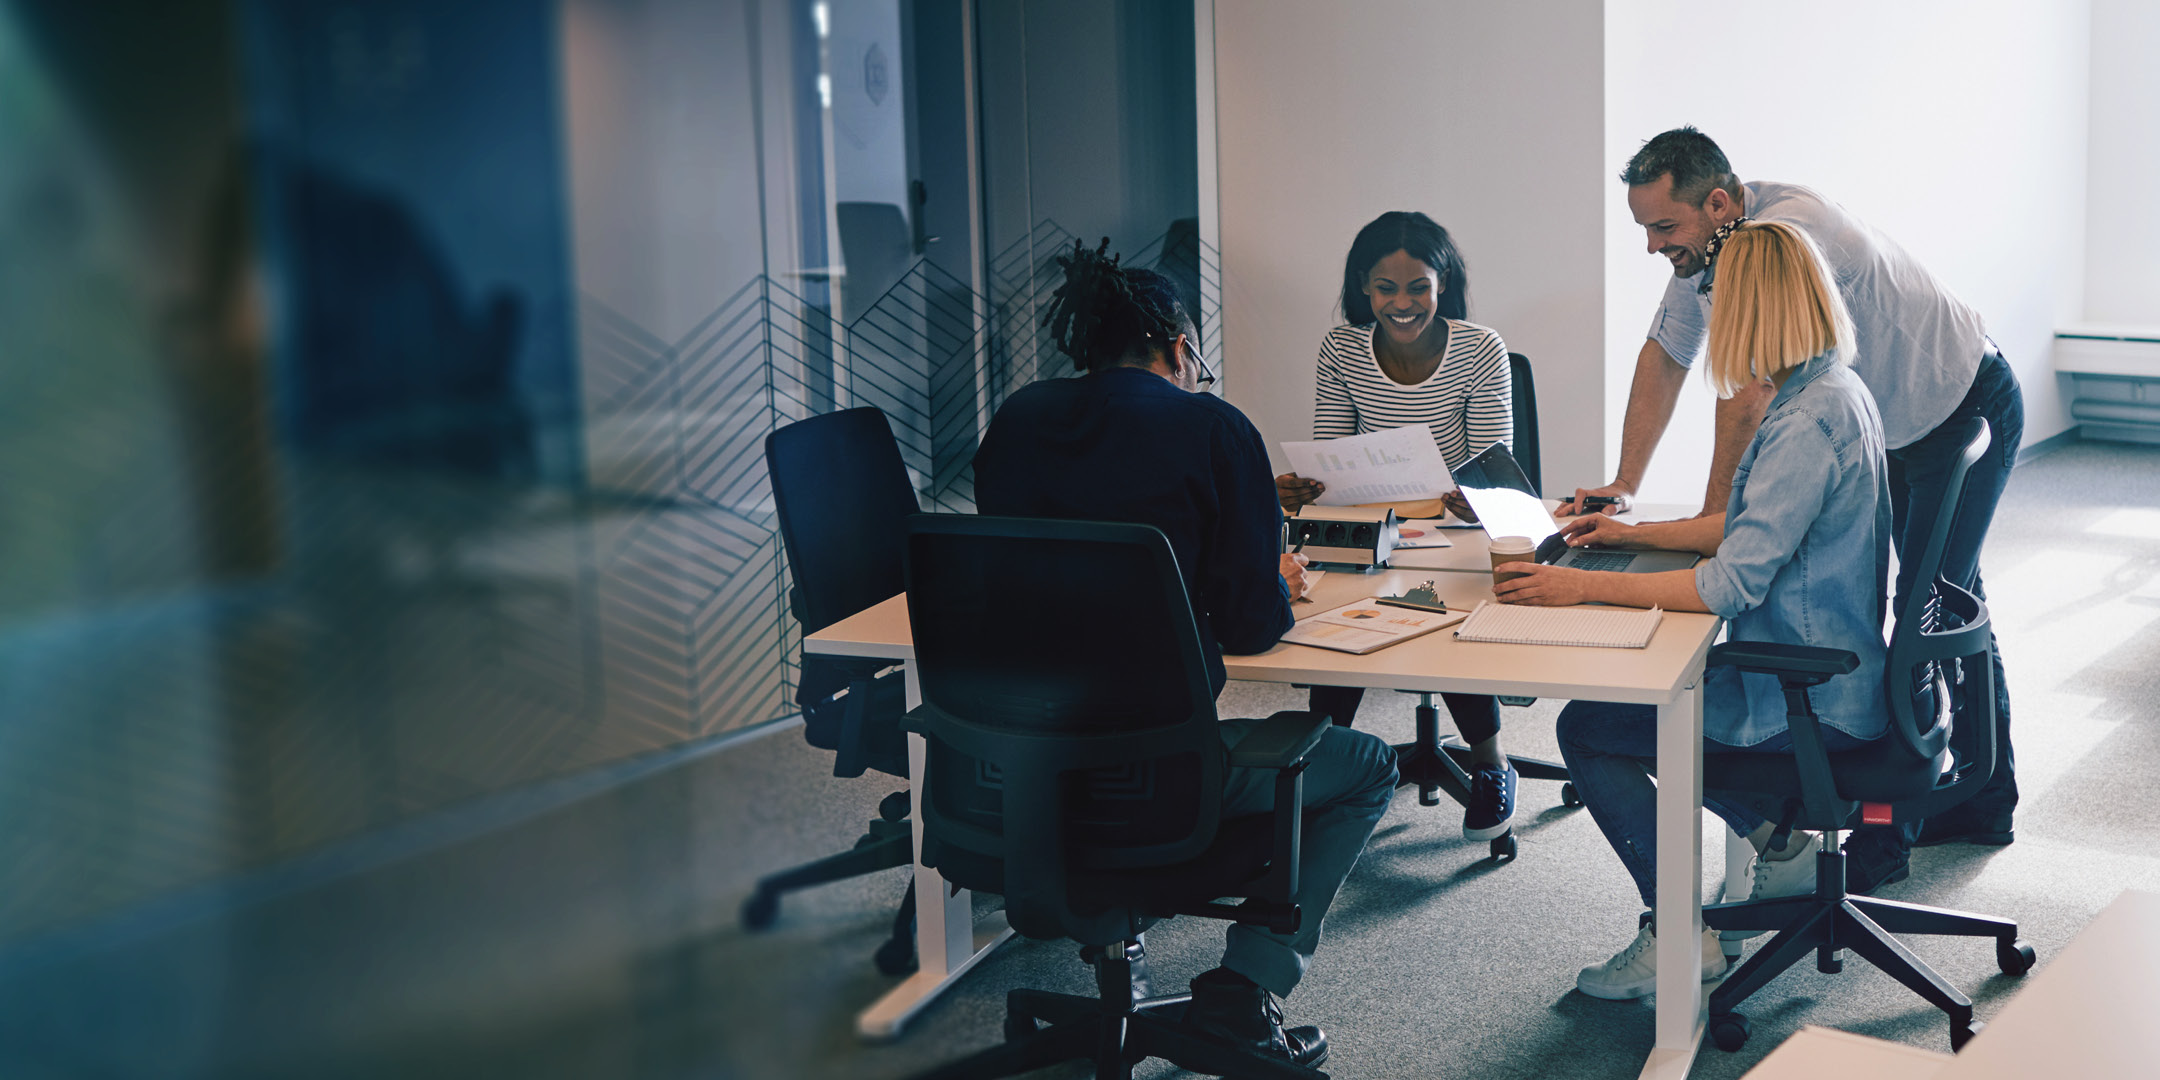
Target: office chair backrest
[(842, 500), (1523, 389), (842, 497), (1940, 643), (1066, 698)]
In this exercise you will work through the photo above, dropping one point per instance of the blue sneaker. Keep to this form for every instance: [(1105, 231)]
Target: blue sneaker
[(1492, 802)]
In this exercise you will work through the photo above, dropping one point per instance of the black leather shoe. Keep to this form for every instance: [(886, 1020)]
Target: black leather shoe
[(1871, 867), (1228, 1006), (1966, 826)]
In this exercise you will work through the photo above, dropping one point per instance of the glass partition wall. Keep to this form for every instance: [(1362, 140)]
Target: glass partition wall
[(387, 383)]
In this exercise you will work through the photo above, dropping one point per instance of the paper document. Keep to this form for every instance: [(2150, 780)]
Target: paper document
[(1381, 466), (1612, 628), (1367, 625)]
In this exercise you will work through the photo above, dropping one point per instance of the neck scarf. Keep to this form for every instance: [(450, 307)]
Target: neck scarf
[(1717, 244)]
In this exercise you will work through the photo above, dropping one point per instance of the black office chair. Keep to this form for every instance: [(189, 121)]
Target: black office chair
[(1938, 752), (842, 499), (1523, 389), (1075, 767), (1435, 765)]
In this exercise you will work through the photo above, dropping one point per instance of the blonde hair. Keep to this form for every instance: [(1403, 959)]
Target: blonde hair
[(1776, 307)]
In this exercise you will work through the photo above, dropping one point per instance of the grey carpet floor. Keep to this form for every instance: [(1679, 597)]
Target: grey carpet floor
[(1436, 962)]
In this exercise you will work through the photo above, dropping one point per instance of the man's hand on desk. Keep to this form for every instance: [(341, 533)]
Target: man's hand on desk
[(1622, 498), (1545, 586), (1293, 575)]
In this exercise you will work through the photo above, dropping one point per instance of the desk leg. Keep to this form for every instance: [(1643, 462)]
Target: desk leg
[(947, 939), (1679, 888)]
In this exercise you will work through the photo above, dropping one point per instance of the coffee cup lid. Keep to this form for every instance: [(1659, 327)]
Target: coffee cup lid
[(1513, 545)]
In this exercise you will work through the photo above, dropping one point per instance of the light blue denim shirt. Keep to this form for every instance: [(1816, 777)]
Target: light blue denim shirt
[(1918, 346), (1806, 555)]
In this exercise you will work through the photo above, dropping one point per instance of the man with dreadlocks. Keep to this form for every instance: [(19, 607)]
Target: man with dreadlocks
[(1133, 440)]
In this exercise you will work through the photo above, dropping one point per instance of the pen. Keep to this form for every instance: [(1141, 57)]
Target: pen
[(1299, 550)]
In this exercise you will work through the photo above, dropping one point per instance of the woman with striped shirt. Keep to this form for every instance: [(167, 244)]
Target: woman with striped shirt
[(1405, 356)]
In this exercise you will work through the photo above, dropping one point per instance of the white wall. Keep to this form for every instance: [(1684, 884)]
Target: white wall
[(1485, 116), (2122, 257), (1955, 126)]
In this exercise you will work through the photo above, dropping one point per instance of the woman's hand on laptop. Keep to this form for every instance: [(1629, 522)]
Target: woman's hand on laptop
[(1601, 530), (1459, 506), (1542, 585)]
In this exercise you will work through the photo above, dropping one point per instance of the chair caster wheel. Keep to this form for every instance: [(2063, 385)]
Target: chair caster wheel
[(1427, 797), (895, 957), (2014, 957), (760, 910), (1503, 847), (893, 807), (1019, 1027), (1730, 1031), (1568, 797), (1960, 1034)]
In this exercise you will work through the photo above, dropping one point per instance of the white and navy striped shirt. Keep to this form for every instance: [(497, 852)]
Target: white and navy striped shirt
[(1467, 403)]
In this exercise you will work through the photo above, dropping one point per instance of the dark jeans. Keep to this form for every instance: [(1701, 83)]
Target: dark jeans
[(1477, 716), (1611, 755), (1917, 474), (1348, 782)]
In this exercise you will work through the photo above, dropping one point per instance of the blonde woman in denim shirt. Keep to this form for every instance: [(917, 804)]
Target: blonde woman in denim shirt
[(1801, 555)]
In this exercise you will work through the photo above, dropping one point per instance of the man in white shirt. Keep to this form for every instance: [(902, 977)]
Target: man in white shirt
[(1921, 351)]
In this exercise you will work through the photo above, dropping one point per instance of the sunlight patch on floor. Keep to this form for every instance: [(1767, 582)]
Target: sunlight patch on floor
[(2059, 611), (2075, 726), (2135, 522), (2058, 873)]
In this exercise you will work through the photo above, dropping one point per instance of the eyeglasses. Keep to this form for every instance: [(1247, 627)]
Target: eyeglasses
[(1207, 378)]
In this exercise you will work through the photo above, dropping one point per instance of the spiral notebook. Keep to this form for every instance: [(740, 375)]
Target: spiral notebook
[(1611, 628)]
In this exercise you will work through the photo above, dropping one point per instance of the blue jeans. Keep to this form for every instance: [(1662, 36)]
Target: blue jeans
[(1611, 755), (1348, 782), (1917, 474)]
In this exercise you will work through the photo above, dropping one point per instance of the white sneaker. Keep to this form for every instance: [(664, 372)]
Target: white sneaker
[(1632, 972), (1774, 878)]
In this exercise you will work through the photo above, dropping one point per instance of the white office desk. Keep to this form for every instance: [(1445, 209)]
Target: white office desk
[(1668, 675), (2088, 1013)]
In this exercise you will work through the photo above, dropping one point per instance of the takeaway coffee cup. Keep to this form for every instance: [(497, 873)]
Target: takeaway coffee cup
[(1510, 549)]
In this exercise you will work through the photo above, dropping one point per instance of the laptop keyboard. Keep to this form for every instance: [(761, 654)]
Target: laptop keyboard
[(1601, 560)]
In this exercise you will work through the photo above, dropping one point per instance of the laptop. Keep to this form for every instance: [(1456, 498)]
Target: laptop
[(1506, 505)]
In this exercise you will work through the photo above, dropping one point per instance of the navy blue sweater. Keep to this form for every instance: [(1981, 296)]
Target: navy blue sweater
[(1127, 445)]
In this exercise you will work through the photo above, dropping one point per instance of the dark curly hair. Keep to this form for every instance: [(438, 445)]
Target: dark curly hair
[(1422, 239), (1693, 160), (1105, 315)]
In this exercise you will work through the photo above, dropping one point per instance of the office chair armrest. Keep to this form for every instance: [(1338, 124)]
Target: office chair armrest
[(1283, 742), (1280, 741), (1801, 665)]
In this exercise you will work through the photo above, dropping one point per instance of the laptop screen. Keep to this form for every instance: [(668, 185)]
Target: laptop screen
[(1502, 497)]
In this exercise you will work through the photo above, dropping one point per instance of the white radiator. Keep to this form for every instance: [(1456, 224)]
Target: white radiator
[(2117, 372)]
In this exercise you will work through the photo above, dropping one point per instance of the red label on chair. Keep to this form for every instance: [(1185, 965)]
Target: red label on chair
[(1875, 813)]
